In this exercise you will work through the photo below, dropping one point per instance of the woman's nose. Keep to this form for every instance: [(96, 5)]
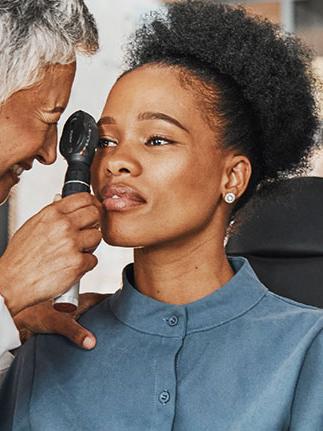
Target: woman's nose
[(122, 163)]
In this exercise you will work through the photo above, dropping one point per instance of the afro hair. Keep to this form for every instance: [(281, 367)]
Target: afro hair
[(262, 74)]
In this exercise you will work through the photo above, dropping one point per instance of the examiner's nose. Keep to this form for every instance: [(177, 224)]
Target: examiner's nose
[(48, 152), (47, 156)]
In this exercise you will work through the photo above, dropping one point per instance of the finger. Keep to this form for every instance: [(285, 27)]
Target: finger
[(89, 261), (37, 319), (89, 239), (71, 203), (76, 333), (85, 217)]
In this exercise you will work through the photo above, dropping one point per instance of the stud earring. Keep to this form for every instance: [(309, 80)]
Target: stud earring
[(229, 198)]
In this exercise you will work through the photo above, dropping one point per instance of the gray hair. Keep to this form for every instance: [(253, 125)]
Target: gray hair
[(37, 33)]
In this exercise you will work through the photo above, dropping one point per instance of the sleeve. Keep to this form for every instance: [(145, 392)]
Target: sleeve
[(307, 409), (16, 390), (9, 338)]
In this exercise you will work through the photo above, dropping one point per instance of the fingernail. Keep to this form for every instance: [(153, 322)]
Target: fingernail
[(88, 343)]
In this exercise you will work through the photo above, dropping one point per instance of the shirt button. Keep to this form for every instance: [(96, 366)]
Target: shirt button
[(173, 321), (164, 397)]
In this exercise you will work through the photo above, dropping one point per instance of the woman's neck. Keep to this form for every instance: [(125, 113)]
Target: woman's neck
[(183, 272)]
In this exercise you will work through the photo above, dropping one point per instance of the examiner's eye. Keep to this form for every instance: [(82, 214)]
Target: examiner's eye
[(158, 141), (106, 143), (51, 119)]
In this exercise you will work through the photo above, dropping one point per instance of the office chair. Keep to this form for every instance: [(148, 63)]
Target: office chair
[(281, 234)]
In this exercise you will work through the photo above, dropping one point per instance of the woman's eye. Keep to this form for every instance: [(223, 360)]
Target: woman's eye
[(105, 143), (158, 140)]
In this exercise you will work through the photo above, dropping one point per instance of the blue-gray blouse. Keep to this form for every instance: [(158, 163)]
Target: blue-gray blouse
[(240, 359)]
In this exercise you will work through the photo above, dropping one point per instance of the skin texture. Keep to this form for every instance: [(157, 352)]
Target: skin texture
[(28, 123), (48, 254), (178, 232)]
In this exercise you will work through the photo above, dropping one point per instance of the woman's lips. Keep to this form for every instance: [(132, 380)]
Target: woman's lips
[(121, 198)]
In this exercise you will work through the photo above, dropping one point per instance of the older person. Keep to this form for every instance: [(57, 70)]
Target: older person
[(39, 41)]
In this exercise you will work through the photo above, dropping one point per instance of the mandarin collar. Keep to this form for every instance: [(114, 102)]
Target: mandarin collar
[(242, 292)]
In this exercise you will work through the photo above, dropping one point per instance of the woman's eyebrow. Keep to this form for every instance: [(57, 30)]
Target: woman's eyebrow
[(146, 116), (106, 120), (161, 116)]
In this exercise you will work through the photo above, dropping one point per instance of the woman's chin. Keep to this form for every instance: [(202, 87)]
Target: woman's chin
[(120, 240)]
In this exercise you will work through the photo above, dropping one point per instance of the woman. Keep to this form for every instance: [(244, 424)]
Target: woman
[(214, 105), (39, 42)]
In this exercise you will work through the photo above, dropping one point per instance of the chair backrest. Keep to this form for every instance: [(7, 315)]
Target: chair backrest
[(281, 233)]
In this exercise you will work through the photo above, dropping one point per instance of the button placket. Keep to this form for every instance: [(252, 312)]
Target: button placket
[(166, 382)]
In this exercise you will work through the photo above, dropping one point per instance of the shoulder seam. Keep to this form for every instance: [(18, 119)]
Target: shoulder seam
[(294, 303)]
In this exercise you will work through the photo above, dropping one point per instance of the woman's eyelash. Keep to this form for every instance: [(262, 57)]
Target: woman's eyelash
[(158, 141), (105, 142), (154, 141)]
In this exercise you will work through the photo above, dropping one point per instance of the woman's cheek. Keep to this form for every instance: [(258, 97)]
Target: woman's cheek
[(96, 174)]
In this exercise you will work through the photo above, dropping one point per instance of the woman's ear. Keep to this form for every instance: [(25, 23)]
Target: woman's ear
[(237, 173)]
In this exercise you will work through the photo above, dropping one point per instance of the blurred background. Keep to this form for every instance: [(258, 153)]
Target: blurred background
[(94, 78)]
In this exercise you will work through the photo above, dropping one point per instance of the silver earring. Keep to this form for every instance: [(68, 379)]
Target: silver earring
[(229, 198)]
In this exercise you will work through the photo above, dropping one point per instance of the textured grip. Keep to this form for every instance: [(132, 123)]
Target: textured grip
[(78, 143)]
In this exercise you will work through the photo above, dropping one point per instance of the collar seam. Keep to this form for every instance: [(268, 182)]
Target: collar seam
[(179, 337), (209, 328)]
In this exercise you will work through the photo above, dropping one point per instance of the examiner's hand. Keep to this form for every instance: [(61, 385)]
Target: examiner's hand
[(50, 252), (42, 318)]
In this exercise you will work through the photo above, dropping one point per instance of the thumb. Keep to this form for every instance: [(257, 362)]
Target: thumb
[(76, 333)]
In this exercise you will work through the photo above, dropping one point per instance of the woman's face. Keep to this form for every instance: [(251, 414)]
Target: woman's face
[(28, 124), (160, 170)]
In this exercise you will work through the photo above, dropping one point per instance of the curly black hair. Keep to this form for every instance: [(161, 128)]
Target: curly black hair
[(249, 75)]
